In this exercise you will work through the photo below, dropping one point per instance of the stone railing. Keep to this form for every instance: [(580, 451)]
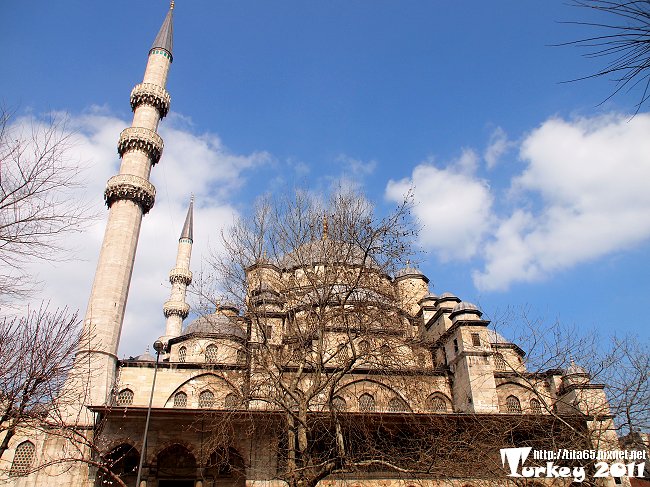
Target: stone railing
[(151, 94), (178, 308), (130, 187), (178, 274), (140, 138)]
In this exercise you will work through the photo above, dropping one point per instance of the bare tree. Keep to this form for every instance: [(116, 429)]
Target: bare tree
[(322, 315), (36, 356), (37, 209), (623, 42)]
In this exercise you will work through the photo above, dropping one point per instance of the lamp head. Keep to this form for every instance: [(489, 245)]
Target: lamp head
[(158, 346)]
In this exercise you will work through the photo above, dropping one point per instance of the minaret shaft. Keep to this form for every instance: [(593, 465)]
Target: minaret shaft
[(129, 195), (176, 309)]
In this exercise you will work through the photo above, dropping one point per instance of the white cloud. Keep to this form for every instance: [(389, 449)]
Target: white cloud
[(591, 176), (191, 163), (451, 203), (497, 147)]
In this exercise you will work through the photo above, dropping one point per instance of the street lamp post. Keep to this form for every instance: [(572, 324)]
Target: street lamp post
[(158, 347)]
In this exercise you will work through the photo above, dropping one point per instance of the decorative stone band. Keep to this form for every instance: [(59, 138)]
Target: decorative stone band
[(140, 138), (178, 308), (178, 274), (151, 94), (130, 187)]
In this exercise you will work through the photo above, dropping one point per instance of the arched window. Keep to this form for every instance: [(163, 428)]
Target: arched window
[(342, 353), (231, 401), (182, 354), (535, 406), (23, 458), (436, 403), (397, 405), (339, 403), (500, 362), (366, 403), (124, 398), (180, 400), (206, 399), (513, 405), (211, 354)]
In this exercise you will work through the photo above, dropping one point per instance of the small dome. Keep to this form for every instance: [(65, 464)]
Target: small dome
[(216, 324), (410, 271), (429, 297), (447, 295), (574, 369), (465, 307), (145, 357)]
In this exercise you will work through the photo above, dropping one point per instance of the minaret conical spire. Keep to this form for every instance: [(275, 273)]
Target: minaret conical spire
[(188, 227), (165, 38), (176, 309)]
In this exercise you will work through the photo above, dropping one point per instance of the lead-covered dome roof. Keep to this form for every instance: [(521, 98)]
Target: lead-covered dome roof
[(217, 323), (326, 251)]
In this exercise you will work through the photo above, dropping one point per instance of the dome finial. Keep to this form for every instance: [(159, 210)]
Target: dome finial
[(171, 5)]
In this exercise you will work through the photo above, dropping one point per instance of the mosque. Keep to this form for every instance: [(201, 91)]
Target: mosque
[(380, 383)]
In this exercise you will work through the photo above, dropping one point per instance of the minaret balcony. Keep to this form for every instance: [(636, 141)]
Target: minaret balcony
[(178, 308), (130, 187), (179, 274), (153, 95), (143, 139)]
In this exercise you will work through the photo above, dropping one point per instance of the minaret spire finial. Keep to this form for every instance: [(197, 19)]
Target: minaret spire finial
[(171, 5)]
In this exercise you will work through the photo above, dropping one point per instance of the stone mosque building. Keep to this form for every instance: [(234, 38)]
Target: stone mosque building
[(400, 385)]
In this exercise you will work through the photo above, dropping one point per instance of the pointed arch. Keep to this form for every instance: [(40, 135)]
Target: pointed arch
[(438, 402)]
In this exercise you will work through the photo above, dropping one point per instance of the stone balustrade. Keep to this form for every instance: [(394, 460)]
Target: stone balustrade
[(151, 94), (130, 187), (178, 274), (178, 308), (143, 139)]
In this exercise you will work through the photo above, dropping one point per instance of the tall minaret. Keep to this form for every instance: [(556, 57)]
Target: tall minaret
[(176, 309), (129, 195)]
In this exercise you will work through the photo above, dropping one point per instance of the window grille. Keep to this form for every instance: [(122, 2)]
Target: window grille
[(231, 401), (535, 406), (437, 404), (206, 399), (180, 400), (513, 405), (500, 362), (124, 398), (211, 354), (339, 403), (23, 459), (476, 340), (366, 403), (397, 405), (182, 354)]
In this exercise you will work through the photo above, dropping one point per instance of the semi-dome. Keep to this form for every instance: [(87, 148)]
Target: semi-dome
[(216, 324), (496, 338)]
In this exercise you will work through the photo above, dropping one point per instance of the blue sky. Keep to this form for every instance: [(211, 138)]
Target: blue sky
[(530, 191)]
